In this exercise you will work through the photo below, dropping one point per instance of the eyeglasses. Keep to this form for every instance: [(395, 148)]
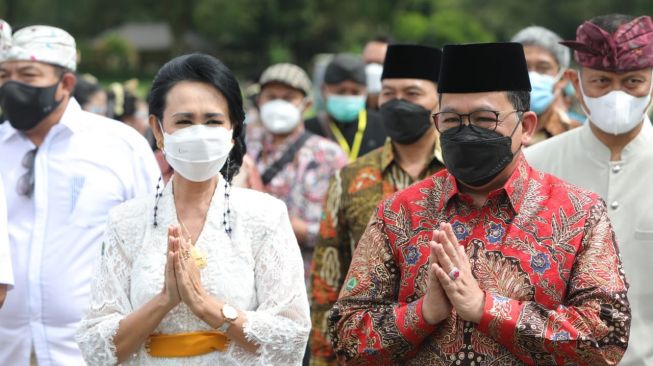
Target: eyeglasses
[(445, 121), (25, 186)]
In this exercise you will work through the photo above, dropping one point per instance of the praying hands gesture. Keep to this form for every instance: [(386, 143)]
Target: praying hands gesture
[(182, 276), (170, 292), (451, 283)]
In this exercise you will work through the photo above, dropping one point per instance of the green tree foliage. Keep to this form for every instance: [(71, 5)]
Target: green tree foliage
[(113, 55), (251, 34)]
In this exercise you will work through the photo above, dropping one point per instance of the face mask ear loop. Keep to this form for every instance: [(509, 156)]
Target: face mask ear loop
[(650, 93), (519, 122), (556, 80), (582, 93), (559, 75), (163, 133)]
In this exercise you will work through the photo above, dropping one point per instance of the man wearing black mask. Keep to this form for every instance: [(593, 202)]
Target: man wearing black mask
[(489, 261), (408, 98), (63, 170)]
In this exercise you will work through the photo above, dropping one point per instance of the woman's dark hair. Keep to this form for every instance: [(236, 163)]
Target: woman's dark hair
[(210, 70), (84, 89)]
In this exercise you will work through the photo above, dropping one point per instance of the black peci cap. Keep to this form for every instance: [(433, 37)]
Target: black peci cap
[(483, 67), (407, 61)]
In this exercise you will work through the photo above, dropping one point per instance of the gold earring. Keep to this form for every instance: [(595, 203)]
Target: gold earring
[(159, 144)]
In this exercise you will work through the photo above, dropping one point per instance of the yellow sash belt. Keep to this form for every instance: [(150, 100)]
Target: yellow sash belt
[(186, 344)]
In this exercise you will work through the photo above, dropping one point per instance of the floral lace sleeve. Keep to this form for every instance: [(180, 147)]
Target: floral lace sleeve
[(109, 302), (281, 323)]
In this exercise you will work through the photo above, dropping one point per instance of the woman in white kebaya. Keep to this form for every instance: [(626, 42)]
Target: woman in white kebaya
[(201, 274)]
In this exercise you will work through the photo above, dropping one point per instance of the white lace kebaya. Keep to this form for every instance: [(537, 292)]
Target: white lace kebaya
[(258, 270)]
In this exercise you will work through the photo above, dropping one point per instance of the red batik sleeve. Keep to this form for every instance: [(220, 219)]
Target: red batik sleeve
[(368, 325), (591, 327)]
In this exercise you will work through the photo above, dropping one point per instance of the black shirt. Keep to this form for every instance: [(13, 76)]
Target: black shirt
[(373, 137)]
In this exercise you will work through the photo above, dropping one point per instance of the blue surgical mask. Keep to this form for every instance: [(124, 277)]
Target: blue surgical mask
[(569, 89), (541, 91), (345, 108)]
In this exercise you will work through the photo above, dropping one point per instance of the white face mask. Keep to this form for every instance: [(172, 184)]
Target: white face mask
[(373, 77), (197, 152), (280, 116), (616, 112)]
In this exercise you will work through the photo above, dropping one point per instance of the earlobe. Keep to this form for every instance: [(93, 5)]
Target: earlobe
[(529, 122), (156, 130), (307, 105), (68, 82)]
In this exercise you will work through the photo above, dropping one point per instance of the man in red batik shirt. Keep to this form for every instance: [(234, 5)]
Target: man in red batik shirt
[(489, 261)]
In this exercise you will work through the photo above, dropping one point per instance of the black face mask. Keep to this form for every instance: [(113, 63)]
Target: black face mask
[(25, 105), (405, 122), (475, 155)]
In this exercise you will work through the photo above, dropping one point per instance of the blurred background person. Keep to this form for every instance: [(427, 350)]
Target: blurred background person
[(373, 56), (124, 105), (412, 152), (6, 269), (90, 95), (612, 154), (547, 62), (295, 165), (64, 168), (357, 130)]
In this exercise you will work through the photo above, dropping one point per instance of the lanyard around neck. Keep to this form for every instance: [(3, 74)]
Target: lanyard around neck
[(351, 152)]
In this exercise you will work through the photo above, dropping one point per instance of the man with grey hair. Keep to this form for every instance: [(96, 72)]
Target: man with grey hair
[(547, 61)]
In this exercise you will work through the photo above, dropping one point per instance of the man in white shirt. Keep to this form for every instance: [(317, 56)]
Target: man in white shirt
[(63, 169), (6, 272), (612, 155)]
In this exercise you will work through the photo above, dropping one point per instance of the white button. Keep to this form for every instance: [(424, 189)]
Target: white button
[(616, 168), (614, 205)]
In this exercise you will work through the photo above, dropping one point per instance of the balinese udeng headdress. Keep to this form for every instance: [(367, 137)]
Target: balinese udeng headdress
[(629, 48), (40, 43)]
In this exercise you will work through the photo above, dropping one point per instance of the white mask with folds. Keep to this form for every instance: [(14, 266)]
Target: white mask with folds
[(280, 116), (616, 112), (197, 152)]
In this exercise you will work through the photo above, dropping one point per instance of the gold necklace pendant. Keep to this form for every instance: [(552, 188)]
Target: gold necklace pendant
[(199, 257)]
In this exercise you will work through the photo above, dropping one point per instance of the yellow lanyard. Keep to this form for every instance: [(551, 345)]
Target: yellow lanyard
[(352, 152)]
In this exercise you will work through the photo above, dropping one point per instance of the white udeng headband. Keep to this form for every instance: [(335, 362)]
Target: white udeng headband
[(40, 43)]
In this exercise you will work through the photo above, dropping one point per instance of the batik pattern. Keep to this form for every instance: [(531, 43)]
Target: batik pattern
[(354, 193), (542, 250)]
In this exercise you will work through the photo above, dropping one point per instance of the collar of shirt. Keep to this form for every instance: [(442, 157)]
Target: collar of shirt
[(387, 156), (514, 188), (269, 149), (597, 151), (69, 120), (643, 141)]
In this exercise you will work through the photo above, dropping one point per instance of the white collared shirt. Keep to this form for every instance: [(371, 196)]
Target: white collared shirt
[(6, 271), (580, 158), (86, 165)]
